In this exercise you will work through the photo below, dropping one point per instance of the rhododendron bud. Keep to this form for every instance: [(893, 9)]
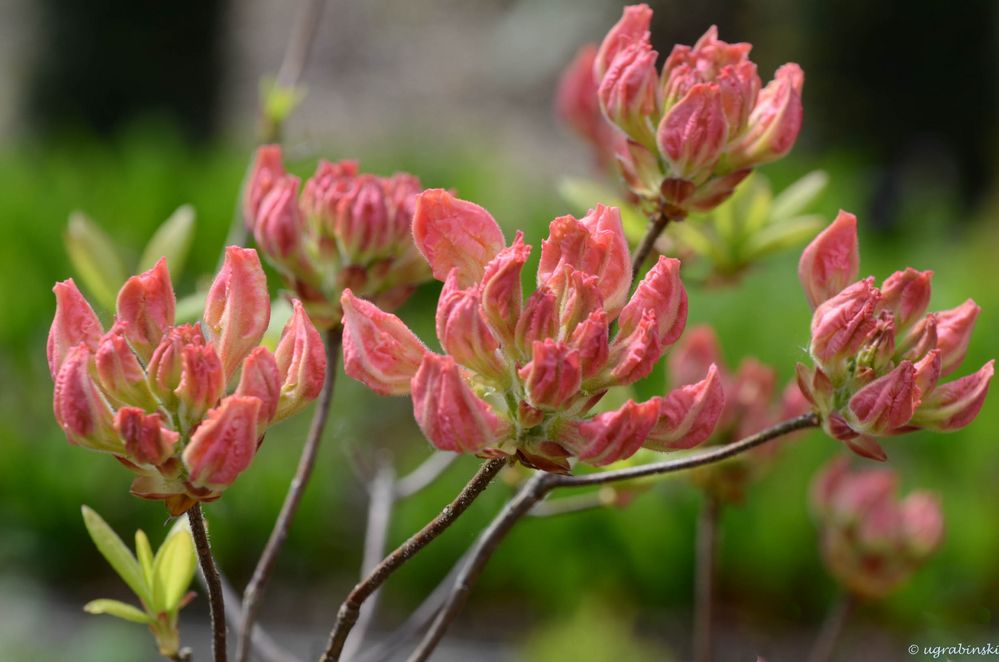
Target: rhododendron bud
[(238, 307), (634, 353), (120, 373), (79, 406), (842, 324), (693, 355), (455, 234), (748, 398), (627, 91), (379, 350), (278, 225), (301, 362), (502, 293), (450, 415), (553, 376), (577, 104), (954, 329), (577, 295), (927, 372), (202, 383), (922, 521), (268, 169), (775, 120), (538, 321), (147, 439), (146, 305), (907, 294), (831, 261), (594, 244), (224, 444), (631, 29), (261, 378), (74, 323), (688, 415), (615, 435), (920, 339), (953, 405), (591, 341), (662, 292), (693, 133), (887, 403), (323, 191), (166, 365), (464, 332)]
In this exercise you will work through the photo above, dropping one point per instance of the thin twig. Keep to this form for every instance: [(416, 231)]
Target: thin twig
[(539, 485), (261, 575), (382, 499), (215, 600), (350, 609), (425, 474), (264, 645), (832, 628), (656, 227), (704, 587), (576, 503)]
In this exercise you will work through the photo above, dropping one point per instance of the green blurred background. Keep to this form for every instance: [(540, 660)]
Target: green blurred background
[(126, 113)]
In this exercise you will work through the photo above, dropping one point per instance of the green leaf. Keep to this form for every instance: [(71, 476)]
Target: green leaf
[(145, 553), (783, 235), (278, 101), (171, 240), (691, 235), (119, 609), (117, 554), (796, 197), (758, 210), (94, 259), (173, 567)]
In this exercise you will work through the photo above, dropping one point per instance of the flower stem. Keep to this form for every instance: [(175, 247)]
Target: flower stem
[(656, 227), (832, 628), (261, 575), (704, 588), (539, 485), (351, 607), (211, 573)]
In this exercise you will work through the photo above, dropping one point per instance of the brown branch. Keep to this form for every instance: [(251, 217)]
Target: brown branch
[(656, 227), (535, 489), (704, 586), (261, 575), (350, 609), (211, 573)]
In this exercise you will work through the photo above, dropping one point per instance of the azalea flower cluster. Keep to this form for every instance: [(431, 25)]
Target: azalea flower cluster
[(154, 394), (872, 541), (752, 404), (346, 230), (878, 356), (520, 377), (688, 135)]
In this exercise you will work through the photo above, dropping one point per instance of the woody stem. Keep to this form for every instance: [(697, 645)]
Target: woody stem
[(212, 580), (656, 227)]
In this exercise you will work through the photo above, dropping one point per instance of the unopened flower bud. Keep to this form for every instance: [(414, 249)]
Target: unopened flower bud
[(953, 405), (631, 29), (455, 234), (238, 307), (165, 368), (146, 304), (202, 383), (267, 170), (662, 292), (628, 92), (121, 375), (261, 378), (692, 134), (278, 229), (147, 439), (842, 324), (612, 436), (79, 406), (907, 294), (74, 323), (301, 362), (590, 339), (831, 261), (502, 293), (775, 121), (688, 415), (224, 444), (538, 321), (954, 329), (553, 376), (887, 403)]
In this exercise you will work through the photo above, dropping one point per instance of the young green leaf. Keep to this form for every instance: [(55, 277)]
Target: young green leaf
[(171, 240), (117, 554), (145, 554), (796, 197), (783, 235), (119, 609), (173, 567), (94, 258)]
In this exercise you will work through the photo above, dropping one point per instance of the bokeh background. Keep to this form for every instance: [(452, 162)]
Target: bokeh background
[(127, 110)]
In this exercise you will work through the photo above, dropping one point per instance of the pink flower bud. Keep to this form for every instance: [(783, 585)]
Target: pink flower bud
[(74, 323), (887, 403), (502, 292), (577, 104), (662, 292), (633, 354), (224, 444), (449, 413), (538, 321), (238, 307), (146, 304), (120, 373), (261, 378), (842, 324), (267, 170), (301, 363), (594, 244), (694, 132), (922, 522), (612, 436), (953, 405), (954, 329), (455, 234), (920, 339), (688, 415), (553, 376), (323, 191), (775, 121), (632, 28), (577, 295), (464, 332), (590, 339), (165, 368), (366, 225), (831, 261), (639, 167), (628, 91), (79, 406), (379, 350), (202, 383), (927, 373), (147, 440), (906, 295), (711, 193), (815, 387), (693, 355), (747, 402), (278, 227)]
